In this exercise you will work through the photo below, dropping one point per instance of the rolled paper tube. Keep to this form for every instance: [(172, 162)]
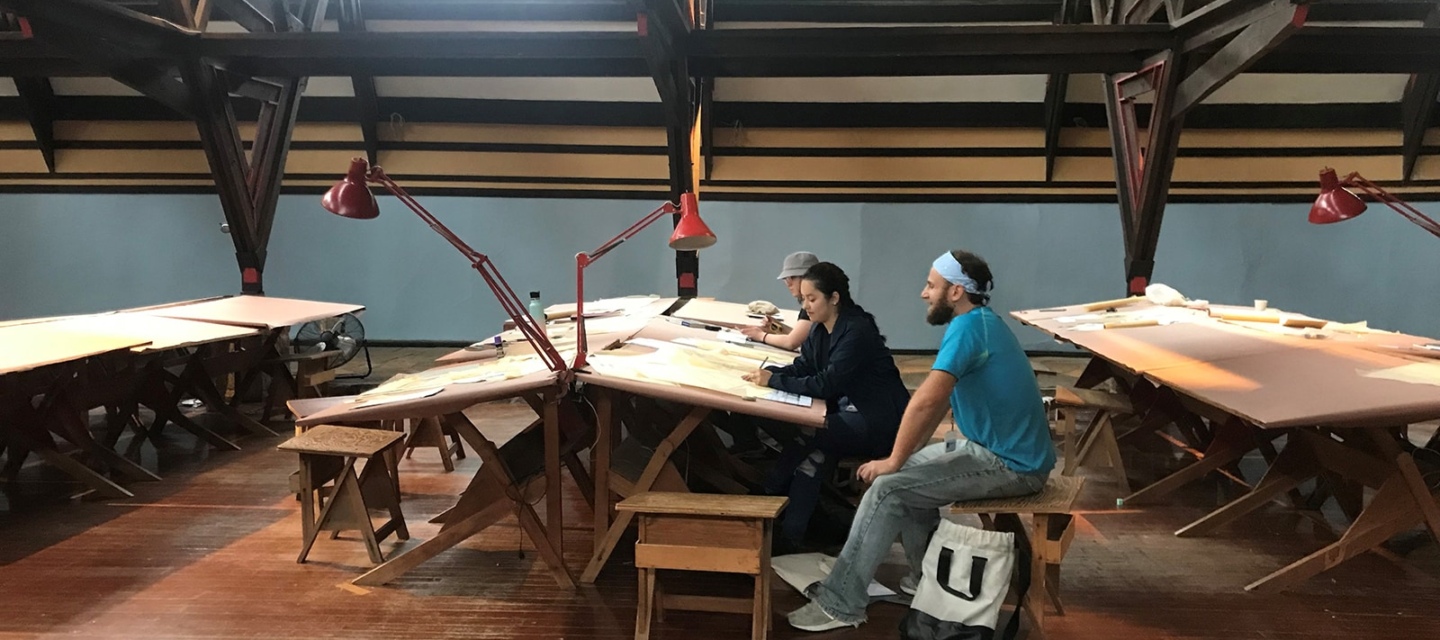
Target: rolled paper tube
[(1110, 304), (1245, 316), (1126, 324), (1303, 323)]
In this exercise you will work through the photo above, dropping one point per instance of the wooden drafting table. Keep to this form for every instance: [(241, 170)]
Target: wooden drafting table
[(605, 389), (151, 382), (1337, 396), (262, 312), (494, 491), (602, 330), (42, 360)]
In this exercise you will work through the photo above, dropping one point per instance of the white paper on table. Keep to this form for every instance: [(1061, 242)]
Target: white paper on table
[(1417, 373), (401, 397), (658, 345), (731, 335), (800, 570)]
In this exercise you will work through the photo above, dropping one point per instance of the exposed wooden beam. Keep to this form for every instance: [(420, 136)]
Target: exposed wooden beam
[(1272, 24), (259, 15), (1208, 24), (367, 109), (1141, 11), (664, 35), (1417, 109), (155, 80), (39, 98), (1159, 165), (1057, 86)]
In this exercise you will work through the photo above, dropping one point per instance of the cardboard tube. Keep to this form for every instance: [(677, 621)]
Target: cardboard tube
[(1245, 316), (1126, 324), (1109, 304)]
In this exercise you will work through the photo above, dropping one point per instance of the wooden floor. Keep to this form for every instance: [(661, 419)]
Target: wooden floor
[(209, 552)]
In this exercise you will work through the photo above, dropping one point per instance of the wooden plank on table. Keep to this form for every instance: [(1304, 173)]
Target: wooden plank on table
[(257, 311)]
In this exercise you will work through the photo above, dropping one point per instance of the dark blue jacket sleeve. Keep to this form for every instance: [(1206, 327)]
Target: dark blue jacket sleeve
[(849, 352)]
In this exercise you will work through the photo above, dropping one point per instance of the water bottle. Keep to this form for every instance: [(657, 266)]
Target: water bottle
[(537, 310)]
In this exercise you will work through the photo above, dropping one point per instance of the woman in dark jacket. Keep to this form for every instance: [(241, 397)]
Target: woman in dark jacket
[(844, 361)]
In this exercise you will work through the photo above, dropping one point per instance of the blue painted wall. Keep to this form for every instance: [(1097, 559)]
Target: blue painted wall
[(81, 253)]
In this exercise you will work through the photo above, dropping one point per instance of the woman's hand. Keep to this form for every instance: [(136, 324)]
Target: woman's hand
[(873, 469), (754, 333), (760, 377)]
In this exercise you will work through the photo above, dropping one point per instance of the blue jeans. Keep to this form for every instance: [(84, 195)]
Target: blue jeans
[(808, 461), (906, 504)]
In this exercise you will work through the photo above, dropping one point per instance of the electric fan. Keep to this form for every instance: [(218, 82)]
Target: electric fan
[(343, 334)]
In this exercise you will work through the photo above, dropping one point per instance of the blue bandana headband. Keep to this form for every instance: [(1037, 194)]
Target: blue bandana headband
[(949, 268)]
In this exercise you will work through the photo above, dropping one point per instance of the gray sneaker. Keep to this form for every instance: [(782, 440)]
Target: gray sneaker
[(908, 584), (812, 618)]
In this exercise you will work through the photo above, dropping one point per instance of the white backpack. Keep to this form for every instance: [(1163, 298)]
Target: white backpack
[(965, 579)]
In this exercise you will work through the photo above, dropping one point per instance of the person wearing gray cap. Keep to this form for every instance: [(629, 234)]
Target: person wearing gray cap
[(794, 266)]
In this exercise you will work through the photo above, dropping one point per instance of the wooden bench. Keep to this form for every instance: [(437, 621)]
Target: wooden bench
[(327, 453), (1053, 528), (703, 532), (1099, 436)]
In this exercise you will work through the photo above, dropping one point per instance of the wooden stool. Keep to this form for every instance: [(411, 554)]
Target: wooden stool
[(1100, 434), (703, 532), (432, 432), (329, 452), (1056, 499)]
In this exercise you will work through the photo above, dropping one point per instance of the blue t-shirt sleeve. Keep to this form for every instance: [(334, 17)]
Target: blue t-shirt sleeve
[(961, 350)]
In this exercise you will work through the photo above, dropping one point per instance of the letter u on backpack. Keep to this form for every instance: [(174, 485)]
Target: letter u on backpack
[(965, 579)]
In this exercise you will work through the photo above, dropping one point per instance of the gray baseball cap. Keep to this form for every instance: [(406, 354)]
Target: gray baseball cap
[(796, 264)]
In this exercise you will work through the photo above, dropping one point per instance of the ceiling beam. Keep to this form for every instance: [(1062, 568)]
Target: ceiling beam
[(1417, 109), (665, 28), (1276, 21), (39, 98), (367, 108), (259, 16), (1057, 87)]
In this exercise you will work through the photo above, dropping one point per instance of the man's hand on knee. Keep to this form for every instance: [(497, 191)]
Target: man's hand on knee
[(869, 471)]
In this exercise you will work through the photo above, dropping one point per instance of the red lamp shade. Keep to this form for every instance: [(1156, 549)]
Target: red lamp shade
[(1335, 203), (351, 197), (691, 233)]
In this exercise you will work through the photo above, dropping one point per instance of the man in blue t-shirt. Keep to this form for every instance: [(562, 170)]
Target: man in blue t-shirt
[(982, 375)]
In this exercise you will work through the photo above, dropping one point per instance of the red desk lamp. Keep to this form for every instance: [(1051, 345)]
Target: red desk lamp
[(691, 234), (1336, 203), (351, 198)]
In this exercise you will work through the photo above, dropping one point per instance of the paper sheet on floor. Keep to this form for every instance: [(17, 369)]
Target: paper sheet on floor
[(800, 570)]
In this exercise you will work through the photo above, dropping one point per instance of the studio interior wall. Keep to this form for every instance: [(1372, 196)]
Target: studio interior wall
[(64, 253)]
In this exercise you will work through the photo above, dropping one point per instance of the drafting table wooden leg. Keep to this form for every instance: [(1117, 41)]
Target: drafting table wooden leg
[(647, 479), (195, 378), (1293, 466), (165, 405), (529, 521), (68, 422), (554, 506), (1392, 510), (1096, 371), (1232, 441), (455, 533), (19, 442), (601, 504)]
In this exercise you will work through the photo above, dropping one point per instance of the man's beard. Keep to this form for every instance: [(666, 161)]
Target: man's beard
[(940, 313)]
